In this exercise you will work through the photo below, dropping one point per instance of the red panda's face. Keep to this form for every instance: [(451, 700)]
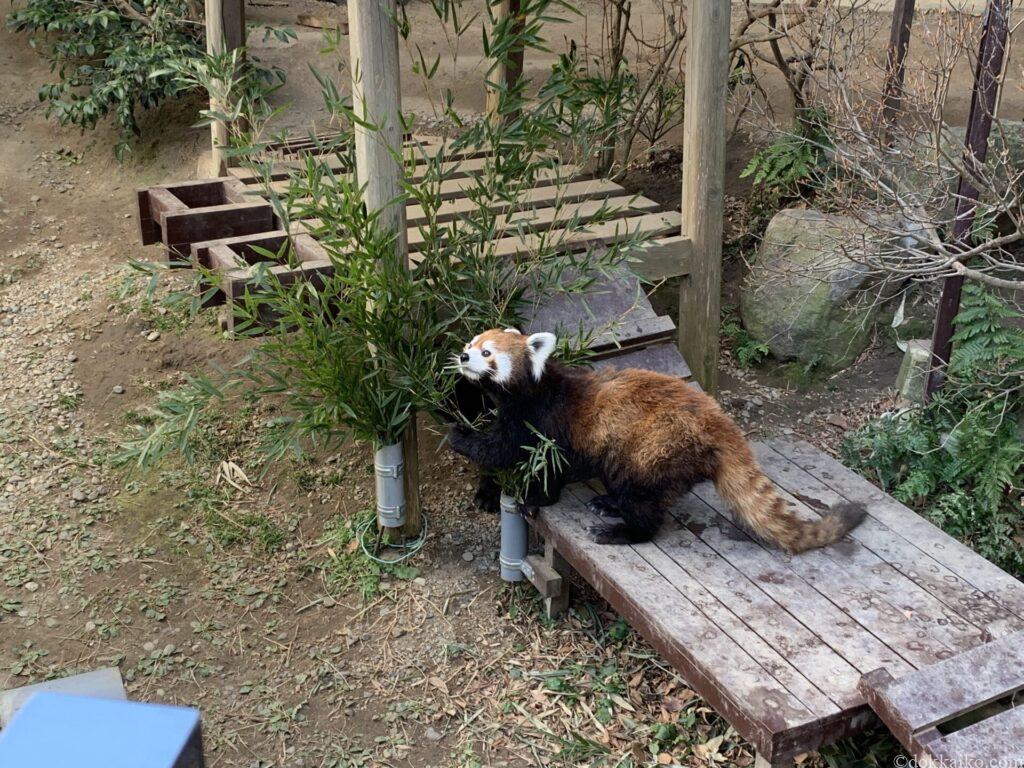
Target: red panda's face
[(504, 356)]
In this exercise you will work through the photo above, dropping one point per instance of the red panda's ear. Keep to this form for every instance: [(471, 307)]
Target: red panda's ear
[(540, 346), (513, 330)]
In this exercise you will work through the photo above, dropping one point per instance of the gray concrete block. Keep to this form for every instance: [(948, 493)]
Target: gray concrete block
[(914, 370), (103, 683)]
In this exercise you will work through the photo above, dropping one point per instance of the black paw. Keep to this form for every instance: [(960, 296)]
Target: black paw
[(488, 496), (615, 533), (604, 506), (529, 511)]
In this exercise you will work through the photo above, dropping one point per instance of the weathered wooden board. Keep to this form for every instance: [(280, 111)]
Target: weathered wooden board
[(969, 605), (724, 672), (663, 358), (544, 219), (985, 577), (606, 233), (984, 685), (538, 197), (995, 742), (866, 589)]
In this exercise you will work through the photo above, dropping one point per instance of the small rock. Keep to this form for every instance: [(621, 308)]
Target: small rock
[(153, 336), (433, 735), (148, 647), (837, 420), (328, 602), (78, 495), (35, 198), (419, 581), (468, 556), (31, 586), (118, 389)]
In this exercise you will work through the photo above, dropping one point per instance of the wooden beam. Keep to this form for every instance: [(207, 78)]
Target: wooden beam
[(376, 97), (225, 31), (707, 79), (504, 72), (663, 259)]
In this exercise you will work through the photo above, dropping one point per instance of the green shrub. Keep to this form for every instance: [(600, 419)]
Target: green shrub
[(960, 460), (356, 354), (746, 350), (795, 162), (112, 58)]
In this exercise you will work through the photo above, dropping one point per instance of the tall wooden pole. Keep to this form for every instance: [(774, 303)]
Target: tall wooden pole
[(979, 125), (377, 99), (707, 83), (899, 43), (503, 73), (225, 31)]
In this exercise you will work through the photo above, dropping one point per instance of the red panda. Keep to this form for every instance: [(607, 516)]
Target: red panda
[(649, 438)]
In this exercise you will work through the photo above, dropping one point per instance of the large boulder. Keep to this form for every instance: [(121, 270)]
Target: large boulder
[(808, 297)]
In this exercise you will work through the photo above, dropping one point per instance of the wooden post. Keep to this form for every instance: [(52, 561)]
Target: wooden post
[(707, 81), (225, 31), (979, 125), (377, 99), (899, 43), (503, 72)]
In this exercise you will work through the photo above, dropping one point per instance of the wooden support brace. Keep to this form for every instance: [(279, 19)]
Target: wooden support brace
[(543, 576), (557, 604)]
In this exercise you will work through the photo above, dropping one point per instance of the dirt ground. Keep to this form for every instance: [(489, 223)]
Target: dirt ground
[(251, 603)]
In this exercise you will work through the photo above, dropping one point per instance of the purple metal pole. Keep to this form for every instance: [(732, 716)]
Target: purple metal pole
[(899, 42), (979, 125)]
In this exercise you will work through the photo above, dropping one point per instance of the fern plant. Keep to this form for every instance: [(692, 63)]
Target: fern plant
[(960, 460), (793, 163)]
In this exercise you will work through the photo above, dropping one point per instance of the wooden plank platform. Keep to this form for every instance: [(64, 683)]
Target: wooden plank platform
[(778, 643), (225, 224), (967, 710)]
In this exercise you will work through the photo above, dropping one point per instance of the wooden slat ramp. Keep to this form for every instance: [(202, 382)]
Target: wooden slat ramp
[(215, 223), (778, 644)]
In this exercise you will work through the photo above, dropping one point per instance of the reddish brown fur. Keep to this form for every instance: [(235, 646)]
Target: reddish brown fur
[(649, 423), (651, 437)]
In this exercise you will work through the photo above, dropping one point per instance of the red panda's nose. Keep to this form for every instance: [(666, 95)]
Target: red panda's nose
[(464, 357)]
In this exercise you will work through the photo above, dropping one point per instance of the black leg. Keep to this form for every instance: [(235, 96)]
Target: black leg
[(641, 519), (604, 505), (488, 495)]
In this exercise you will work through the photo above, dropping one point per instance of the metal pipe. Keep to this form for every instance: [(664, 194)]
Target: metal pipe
[(513, 540), (389, 469)]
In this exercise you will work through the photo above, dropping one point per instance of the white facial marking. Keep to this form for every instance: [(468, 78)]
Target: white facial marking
[(503, 367), (540, 347), (479, 362)]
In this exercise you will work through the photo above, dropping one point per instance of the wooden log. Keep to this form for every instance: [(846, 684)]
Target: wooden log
[(376, 98), (225, 31), (707, 76), (504, 72)]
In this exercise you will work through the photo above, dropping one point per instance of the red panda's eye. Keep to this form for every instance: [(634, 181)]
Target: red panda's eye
[(486, 353)]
